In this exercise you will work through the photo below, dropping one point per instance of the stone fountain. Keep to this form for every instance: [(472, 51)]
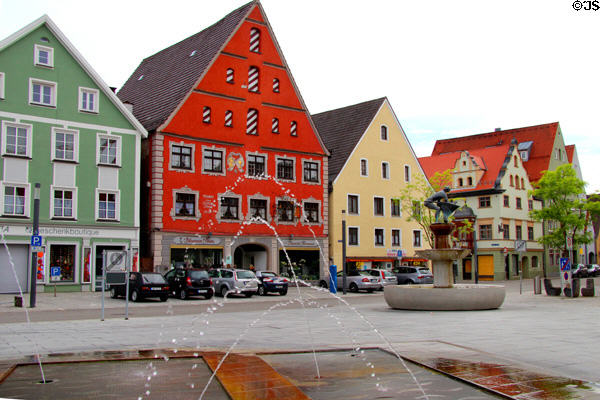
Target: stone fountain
[(444, 295)]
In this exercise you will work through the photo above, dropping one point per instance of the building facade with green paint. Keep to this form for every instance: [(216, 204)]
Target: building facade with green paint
[(62, 127)]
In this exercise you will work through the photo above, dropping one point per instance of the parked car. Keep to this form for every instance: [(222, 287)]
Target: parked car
[(385, 278), (228, 281), (407, 275), (186, 282), (141, 285), (593, 269), (579, 271), (271, 282), (355, 280)]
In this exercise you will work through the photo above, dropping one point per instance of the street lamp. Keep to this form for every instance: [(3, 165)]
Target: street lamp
[(36, 231)]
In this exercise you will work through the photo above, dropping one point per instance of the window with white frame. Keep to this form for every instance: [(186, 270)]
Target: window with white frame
[(311, 212), (257, 164), (65, 145), (64, 202), (378, 206), (285, 169), (353, 204), (407, 173), (43, 56), (416, 238), (364, 167), (109, 149), (385, 170), (2, 78), (88, 100), (185, 204), (395, 208), (108, 205), (42, 93), (16, 139), (182, 157), (15, 202), (258, 208), (311, 171), (285, 211), (212, 161), (379, 237), (230, 208), (384, 132), (396, 238), (353, 236)]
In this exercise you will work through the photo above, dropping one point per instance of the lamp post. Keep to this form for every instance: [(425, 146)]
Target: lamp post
[(36, 231), (344, 270)]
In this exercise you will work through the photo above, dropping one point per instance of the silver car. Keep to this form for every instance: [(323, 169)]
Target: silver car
[(228, 281), (355, 281), (384, 277), (411, 275)]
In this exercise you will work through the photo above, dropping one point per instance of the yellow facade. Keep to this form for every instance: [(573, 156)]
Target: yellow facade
[(401, 163)]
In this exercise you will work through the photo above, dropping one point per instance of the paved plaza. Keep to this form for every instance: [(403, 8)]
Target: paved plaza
[(556, 336)]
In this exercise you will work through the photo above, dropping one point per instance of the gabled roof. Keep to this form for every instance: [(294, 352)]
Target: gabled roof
[(493, 160), (163, 80), (542, 136), (45, 20), (570, 149), (341, 130)]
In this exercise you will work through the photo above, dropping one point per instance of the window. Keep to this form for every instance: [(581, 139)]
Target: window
[(396, 237), (88, 100), (530, 204), (2, 85), (517, 182), (63, 203), (311, 212), (516, 162), (275, 125), (485, 232), (416, 238), (16, 139), (14, 200), (107, 206), (395, 208), (253, 79), (416, 208), (352, 204), (406, 173), (522, 183), (470, 181), (534, 262), (530, 233), (275, 85), (256, 165), (229, 208), (252, 122), (485, 201), (229, 118), (44, 56), (384, 132), (505, 232), (364, 167), (311, 171), (181, 157), (385, 170), (285, 211), (42, 93), (518, 203), (519, 232), (293, 128), (460, 182), (506, 201), (258, 208), (511, 181), (206, 115), (229, 76), (285, 169), (379, 237), (64, 145), (64, 256), (352, 236), (378, 206), (109, 152), (212, 160), (255, 40)]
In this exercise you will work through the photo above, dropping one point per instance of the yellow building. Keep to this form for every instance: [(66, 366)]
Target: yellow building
[(371, 161)]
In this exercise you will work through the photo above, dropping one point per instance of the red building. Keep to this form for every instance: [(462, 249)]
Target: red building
[(233, 170)]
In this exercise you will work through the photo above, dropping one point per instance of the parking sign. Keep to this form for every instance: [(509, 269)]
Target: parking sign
[(36, 240)]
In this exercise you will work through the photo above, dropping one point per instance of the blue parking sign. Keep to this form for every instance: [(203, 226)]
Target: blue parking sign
[(565, 264), (36, 240)]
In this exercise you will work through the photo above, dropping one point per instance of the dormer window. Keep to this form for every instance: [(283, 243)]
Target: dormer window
[(255, 40), (43, 56), (524, 155)]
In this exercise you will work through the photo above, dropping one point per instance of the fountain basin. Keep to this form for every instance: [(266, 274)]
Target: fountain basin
[(459, 297)]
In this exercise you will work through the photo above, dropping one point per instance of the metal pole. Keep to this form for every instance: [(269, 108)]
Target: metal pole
[(475, 260), (127, 271), (36, 231), (103, 280), (344, 270)]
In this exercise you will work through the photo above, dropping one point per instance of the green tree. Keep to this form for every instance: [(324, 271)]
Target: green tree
[(565, 206)]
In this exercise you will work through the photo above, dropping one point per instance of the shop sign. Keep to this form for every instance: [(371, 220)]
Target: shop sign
[(196, 240)]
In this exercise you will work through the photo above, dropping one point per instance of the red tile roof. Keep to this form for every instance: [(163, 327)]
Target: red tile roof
[(570, 149), (543, 137)]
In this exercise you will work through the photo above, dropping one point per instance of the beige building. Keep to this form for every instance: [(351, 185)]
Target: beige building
[(371, 161)]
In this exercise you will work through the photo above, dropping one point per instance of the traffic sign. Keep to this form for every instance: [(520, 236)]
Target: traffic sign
[(54, 273), (521, 246), (36, 240), (569, 243), (565, 264)]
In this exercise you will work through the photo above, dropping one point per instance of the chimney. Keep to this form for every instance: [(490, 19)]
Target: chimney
[(497, 129)]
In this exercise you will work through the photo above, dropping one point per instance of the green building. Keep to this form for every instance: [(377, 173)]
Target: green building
[(64, 128)]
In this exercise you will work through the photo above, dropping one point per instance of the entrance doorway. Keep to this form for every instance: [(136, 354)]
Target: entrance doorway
[(99, 264), (248, 255)]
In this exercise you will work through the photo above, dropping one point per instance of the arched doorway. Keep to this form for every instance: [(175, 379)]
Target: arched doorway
[(246, 255)]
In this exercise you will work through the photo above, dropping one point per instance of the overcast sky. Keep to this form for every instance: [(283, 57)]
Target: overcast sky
[(449, 68)]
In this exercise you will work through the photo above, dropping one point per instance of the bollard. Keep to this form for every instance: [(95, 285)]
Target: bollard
[(333, 279), (537, 285), (18, 301)]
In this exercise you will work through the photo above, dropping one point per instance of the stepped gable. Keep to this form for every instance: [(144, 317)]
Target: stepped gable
[(341, 129), (543, 138), (162, 81)]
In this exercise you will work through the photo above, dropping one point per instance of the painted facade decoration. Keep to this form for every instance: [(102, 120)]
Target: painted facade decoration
[(371, 160), (64, 128), (233, 166)]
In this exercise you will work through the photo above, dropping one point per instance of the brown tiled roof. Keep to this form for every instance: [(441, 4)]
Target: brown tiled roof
[(161, 81), (341, 130)]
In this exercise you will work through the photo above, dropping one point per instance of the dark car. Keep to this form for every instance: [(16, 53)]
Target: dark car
[(186, 282), (271, 282), (579, 271), (593, 269), (141, 285)]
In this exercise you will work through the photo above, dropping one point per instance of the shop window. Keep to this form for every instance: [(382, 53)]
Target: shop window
[(63, 256)]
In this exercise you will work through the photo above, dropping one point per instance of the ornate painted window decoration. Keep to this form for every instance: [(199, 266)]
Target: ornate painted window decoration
[(255, 40), (252, 122)]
